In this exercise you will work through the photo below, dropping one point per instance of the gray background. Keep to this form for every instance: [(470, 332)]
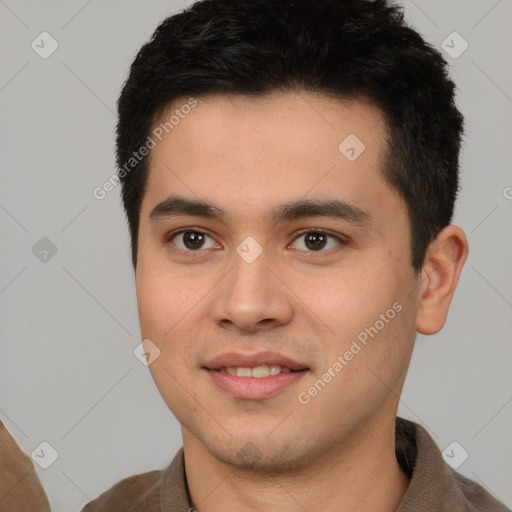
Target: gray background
[(69, 325)]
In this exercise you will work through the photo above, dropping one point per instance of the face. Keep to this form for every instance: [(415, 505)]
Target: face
[(303, 252)]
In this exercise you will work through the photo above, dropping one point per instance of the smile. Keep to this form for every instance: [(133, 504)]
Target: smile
[(254, 383), (257, 371)]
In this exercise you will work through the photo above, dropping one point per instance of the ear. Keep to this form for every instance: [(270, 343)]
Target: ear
[(445, 258)]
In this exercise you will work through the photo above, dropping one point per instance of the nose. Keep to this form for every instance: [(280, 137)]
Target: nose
[(252, 297)]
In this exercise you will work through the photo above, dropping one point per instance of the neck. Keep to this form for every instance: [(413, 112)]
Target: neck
[(361, 474)]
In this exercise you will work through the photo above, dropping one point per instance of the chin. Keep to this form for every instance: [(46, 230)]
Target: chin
[(259, 456)]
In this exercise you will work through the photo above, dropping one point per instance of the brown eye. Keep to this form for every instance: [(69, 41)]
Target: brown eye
[(315, 240), (190, 240), (193, 240), (318, 241)]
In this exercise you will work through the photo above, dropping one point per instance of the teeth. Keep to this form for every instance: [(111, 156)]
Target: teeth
[(257, 372), (243, 372), (274, 370)]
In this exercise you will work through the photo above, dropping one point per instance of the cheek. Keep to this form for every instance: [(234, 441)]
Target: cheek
[(171, 384), (163, 301), (169, 308), (368, 323), (352, 301), (151, 303)]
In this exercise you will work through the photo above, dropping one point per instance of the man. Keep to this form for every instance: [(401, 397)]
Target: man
[(289, 171)]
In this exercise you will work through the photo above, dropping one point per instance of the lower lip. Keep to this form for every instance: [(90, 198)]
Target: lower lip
[(253, 388)]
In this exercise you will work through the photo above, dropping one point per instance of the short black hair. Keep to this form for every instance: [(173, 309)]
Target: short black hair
[(346, 49)]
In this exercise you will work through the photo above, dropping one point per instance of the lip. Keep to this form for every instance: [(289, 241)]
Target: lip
[(252, 388), (251, 360)]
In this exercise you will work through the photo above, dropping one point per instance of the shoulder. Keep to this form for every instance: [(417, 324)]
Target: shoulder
[(130, 494), (477, 498), (20, 487), (434, 484), (147, 492)]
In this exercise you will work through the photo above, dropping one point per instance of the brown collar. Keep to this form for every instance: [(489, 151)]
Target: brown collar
[(433, 487)]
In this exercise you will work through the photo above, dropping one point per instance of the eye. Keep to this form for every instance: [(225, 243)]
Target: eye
[(317, 241), (189, 240)]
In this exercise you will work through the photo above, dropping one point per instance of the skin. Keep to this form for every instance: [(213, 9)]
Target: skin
[(246, 155)]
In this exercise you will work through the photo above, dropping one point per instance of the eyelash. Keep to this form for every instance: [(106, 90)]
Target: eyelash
[(343, 241)]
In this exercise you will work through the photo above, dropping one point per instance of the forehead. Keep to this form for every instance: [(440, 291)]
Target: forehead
[(251, 151), (229, 120)]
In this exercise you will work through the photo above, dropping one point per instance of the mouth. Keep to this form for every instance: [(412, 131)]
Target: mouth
[(257, 372), (254, 376)]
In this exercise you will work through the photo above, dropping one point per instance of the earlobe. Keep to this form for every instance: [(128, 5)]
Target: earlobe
[(445, 258)]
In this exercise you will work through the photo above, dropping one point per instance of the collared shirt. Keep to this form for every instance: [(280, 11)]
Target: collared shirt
[(434, 486)]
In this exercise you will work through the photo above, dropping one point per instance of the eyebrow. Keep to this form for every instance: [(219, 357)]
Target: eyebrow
[(175, 206)]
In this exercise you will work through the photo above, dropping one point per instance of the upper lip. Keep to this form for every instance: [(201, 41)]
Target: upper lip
[(241, 360)]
